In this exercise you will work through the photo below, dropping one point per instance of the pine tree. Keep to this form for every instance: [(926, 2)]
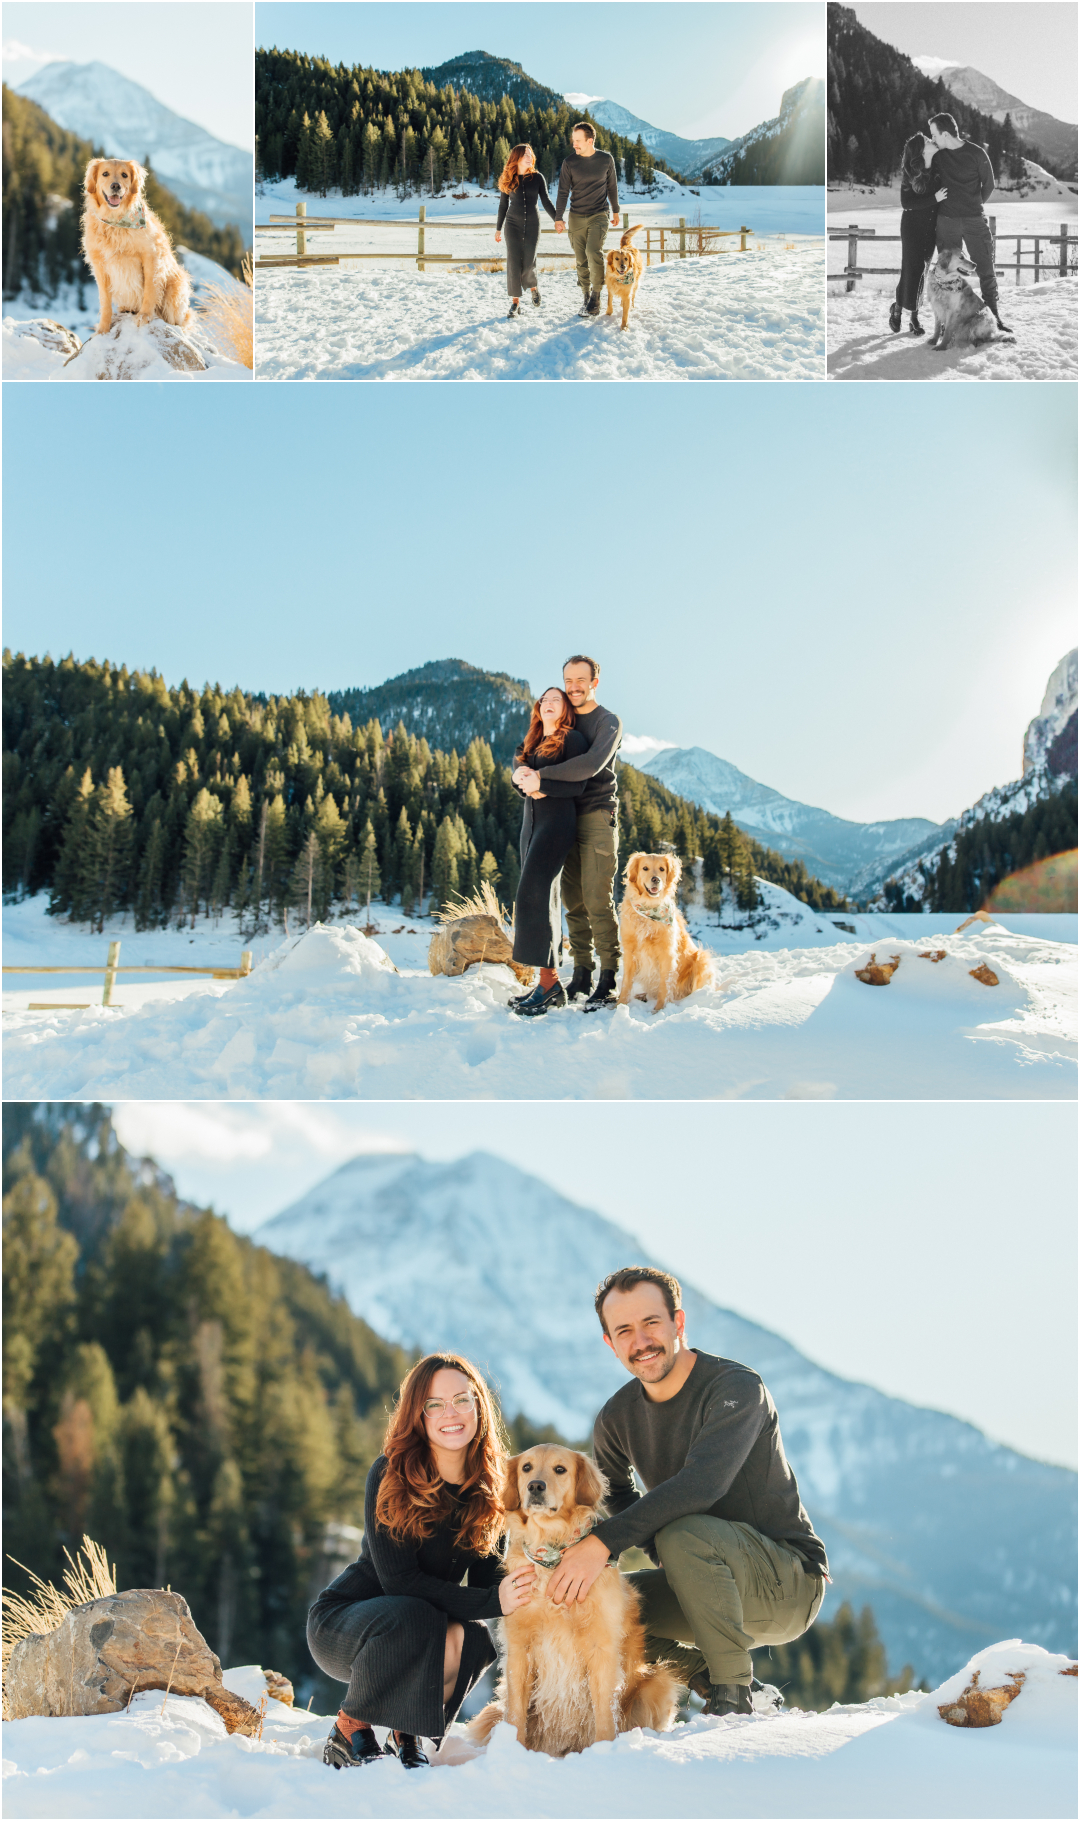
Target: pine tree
[(108, 842), (370, 875), (148, 905), (201, 837)]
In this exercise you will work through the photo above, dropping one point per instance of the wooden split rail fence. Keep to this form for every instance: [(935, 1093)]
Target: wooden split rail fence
[(1058, 266), (680, 242), (112, 968)]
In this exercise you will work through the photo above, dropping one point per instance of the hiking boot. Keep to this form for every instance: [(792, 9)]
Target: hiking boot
[(1003, 326), (541, 1000), (406, 1748), (728, 1698), (592, 305), (916, 326), (362, 1748), (514, 310), (603, 993), (536, 296), (896, 317), (580, 981)]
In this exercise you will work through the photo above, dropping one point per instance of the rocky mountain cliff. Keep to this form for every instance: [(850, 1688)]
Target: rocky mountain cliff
[(1055, 139), (787, 149)]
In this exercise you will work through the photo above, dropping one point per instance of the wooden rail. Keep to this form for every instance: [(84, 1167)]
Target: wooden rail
[(1063, 240), (302, 225), (112, 968)]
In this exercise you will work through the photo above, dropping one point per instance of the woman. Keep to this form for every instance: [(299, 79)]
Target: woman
[(521, 185), (397, 1625), (919, 200), (548, 833)]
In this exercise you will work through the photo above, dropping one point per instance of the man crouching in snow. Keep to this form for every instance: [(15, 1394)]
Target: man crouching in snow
[(739, 1565)]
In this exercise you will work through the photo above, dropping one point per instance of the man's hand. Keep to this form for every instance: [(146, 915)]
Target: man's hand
[(615, 219), (578, 1570), (560, 227)]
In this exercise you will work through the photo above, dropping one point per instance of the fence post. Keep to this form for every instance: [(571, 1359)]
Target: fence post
[(742, 244), (110, 972), (420, 239), (682, 236), (1036, 259), (301, 237), (852, 254), (1063, 262), (245, 961), (663, 231)]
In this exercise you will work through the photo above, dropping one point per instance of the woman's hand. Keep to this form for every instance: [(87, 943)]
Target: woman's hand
[(516, 1589), (498, 237), (940, 195)]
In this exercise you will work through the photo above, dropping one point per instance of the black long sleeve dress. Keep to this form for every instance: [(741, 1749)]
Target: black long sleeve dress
[(381, 1625), (918, 224), (549, 830), (522, 224)]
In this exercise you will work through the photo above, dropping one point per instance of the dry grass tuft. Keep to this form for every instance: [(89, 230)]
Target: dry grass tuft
[(483, 903), (231, 318), (87, 1577)]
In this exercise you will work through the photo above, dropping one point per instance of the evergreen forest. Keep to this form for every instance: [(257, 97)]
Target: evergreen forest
[(842, 1659), (980, 857), (43, 171), (333, 127), (123, 794), (877, 98)]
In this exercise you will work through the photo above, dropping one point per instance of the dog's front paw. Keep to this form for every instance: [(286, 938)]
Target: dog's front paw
[(104, 326), (143, 319)]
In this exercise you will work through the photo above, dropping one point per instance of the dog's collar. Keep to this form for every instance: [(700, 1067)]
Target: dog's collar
[(663, 913), (552, 1553), (125, 220)]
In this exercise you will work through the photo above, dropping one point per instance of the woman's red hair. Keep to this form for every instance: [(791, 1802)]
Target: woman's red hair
[(535, 745), (413, 1500), (509, 179)]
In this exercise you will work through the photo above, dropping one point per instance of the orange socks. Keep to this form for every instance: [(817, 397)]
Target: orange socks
[(548, 977), (347, 1725)]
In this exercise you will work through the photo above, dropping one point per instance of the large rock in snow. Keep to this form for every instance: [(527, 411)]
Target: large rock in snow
[(49, 334), (129, 351), (108, 1649)]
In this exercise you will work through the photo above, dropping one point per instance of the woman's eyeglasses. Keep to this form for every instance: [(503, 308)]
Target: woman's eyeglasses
[(462, 1402)]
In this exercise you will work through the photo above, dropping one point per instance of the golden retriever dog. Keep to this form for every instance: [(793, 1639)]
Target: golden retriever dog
[(658, 953), (127, 248), (571, 1674), (961, 319), (624, 267)]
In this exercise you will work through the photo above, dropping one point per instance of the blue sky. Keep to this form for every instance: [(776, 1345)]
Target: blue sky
[(830, 587), (193, 55), (723, 69), (1027, 46), (871, 1267)]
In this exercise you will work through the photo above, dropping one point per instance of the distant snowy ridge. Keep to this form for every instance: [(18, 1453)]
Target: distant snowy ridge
[(436, 1255), (689, 156), (833, 849), (1055, 139), (127, 121)]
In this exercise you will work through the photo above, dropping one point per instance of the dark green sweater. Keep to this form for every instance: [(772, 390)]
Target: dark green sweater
[(714, 1448)]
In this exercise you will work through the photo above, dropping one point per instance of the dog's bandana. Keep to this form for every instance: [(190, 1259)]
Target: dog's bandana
[(661, 913), (129, 219)]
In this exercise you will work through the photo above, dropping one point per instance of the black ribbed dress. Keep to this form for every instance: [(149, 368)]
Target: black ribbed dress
[(381, 1625), (548, 832), (519, 213)]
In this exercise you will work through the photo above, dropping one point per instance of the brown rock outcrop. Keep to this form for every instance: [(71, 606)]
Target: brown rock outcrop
[(978, 1706), (109, 1649), (279, 1686), (878, 973), (984, 973)]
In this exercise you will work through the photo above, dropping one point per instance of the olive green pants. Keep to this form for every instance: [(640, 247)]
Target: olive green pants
[(721, 1591), (587, 234), (588, 880)]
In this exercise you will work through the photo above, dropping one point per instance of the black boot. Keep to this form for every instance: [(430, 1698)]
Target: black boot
[(536, 296), (514, 310), (1003, 326), (541, 1001), (916, 326), (728, 1698), (406, 1748), (361, 1748), (896, 317), (580, 981), (592, 307), (603, 993)]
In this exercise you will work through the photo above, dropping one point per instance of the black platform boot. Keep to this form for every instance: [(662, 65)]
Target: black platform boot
[(361, 1748), (541, 1000), (580, 981), (536, 296), (916, 326), (896, 317), (514, 310), (728, 1698), (406, 1748), (603, 993)]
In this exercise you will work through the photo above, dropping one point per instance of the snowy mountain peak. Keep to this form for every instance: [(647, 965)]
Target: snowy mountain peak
[(1058, 706), (481, 1257)]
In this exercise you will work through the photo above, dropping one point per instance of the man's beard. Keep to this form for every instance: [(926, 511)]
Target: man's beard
[(660, 1367)]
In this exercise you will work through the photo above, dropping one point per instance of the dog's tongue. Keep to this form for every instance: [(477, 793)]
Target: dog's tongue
[(114, 201)]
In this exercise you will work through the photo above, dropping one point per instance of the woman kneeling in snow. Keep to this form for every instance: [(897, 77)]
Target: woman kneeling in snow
[(397, 1625)]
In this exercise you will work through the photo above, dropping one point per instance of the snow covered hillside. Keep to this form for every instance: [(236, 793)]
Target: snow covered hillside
[(861, 345), (888, 1758), (31, 351), (830, 848), (689, 156), (429, 1254), (740, 316), (126, 121), (334, 1013)]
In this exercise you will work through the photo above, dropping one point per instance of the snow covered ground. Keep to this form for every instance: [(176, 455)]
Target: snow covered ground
[(332, 1013), (752, 315), (889, 1758)]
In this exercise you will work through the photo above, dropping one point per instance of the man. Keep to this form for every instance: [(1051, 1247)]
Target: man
[(968, 176), (588, 875), (589, 181), (738, 1562)]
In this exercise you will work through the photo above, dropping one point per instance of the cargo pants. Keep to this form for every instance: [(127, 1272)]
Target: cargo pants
[(972, 232), (722, 1590), (587, 234), (588, 882)]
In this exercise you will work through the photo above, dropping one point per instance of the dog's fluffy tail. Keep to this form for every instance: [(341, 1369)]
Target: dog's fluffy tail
[(629, 235), (649, 1698), (483, 1724)]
